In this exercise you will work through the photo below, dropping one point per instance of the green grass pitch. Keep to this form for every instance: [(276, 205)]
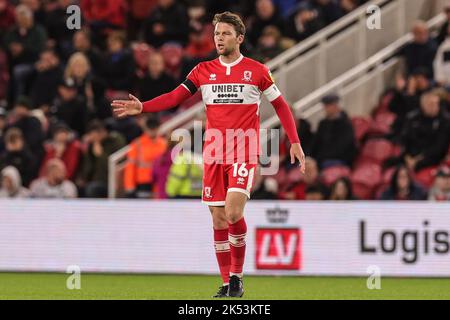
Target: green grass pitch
[(117, 286)]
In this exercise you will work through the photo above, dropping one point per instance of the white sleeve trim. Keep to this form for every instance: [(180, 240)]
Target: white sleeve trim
[(272, 93), (186, 87)]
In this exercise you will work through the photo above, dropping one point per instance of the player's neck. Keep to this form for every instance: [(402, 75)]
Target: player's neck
[(232, 57)]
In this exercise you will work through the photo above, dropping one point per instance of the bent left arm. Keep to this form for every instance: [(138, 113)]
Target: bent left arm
[(287, 121)]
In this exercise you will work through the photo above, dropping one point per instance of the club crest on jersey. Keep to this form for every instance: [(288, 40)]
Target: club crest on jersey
[(247, 76), (212, 77)]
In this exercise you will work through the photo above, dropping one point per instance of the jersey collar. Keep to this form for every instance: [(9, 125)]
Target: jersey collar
[(229, 65), (233, 63)]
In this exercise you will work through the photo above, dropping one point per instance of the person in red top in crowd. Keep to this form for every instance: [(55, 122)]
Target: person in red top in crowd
[(7, 17), (200, 44), (63, 146), (231, 87), (4, 75), (139, 10), (102, 15), (297, 190)]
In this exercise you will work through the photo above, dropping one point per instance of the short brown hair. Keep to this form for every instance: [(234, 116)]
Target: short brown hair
[(230, 18)]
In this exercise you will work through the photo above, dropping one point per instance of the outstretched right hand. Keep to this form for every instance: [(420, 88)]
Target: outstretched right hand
[(124, 108)]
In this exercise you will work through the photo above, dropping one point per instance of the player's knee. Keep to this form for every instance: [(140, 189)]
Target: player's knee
[(219, 218), (220, 222), (233, 214)]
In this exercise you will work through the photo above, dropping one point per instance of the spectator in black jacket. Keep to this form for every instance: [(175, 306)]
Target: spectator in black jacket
[(70, 107), (329, 11), (334, 143), (403, 187), (303, 22), (48, 73), (426, 135), (56, 25), (29, 125), (18, 155), (94, 170), (420, 52), (407, 96), (24, 43), (117, 67), (266, 15), (168, 22), (156, 81)]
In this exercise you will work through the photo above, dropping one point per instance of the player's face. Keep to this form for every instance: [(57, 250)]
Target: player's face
[(226, 39)]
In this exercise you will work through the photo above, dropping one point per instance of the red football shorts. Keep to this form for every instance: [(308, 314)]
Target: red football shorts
[(218, 179)]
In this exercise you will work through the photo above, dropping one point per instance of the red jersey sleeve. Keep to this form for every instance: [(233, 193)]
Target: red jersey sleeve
[(192, 82)]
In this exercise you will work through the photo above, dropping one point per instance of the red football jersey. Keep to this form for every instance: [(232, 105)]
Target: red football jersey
[(232, 96)]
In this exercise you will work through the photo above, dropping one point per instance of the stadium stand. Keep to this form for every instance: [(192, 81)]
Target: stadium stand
[(127, 46)]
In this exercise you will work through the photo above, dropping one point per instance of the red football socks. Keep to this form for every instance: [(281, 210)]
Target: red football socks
[(237, 232), (222, 248)]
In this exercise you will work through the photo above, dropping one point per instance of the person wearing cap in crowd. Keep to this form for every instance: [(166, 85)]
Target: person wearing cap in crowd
[(69, 107), (334, 142), (63, 146), (18, 155), (11, 184), (138, 176), (440, 191), (101, 143), (29, 125), (54, 183)]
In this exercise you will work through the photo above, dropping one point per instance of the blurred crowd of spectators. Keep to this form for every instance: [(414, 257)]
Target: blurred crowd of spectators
[(57, 131)]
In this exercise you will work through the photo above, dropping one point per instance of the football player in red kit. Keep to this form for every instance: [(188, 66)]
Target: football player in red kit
[(231, 88)]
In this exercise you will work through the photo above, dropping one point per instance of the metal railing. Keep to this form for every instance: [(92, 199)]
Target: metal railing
[(360, 87)]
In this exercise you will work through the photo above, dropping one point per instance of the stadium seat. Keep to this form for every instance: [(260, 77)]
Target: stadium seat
[(425, 177), (377, 150), (383, 107), (365, 178), (281, 177), (331, 174), (361, 127), (172, 54), (294, 176), (379, 190), (382, 123), (387, 175), (362, 192)]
